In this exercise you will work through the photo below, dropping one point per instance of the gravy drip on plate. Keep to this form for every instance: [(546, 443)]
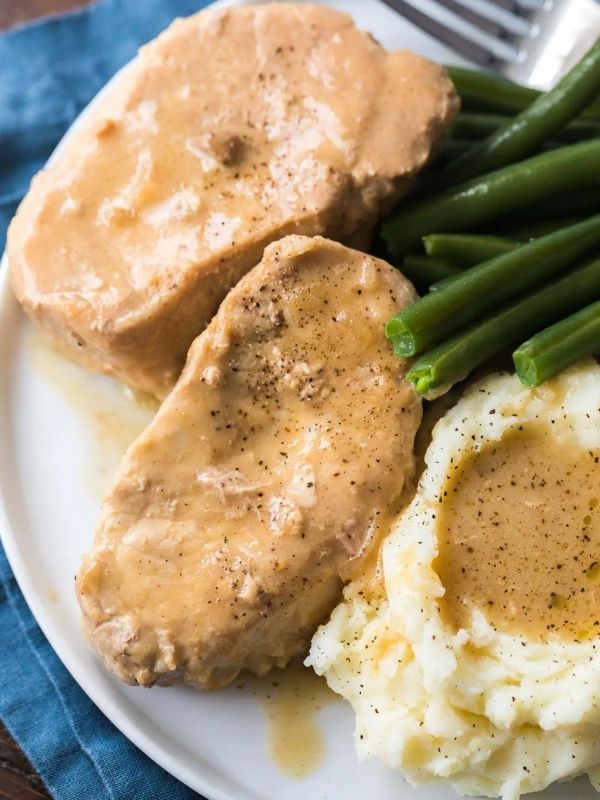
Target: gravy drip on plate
[(110, 418), (520, 538), (291, 699)]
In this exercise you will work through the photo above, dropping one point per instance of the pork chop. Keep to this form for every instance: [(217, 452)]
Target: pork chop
[(265, 478), (234, 128)]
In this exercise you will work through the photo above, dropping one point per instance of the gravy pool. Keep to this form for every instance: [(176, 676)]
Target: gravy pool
[(520, 538)]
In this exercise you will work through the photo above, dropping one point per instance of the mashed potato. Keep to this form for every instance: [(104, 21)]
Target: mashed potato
[(497, 712)]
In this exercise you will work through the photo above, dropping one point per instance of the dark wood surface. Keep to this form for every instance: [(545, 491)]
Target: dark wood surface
[(18, 780), (12, 12)]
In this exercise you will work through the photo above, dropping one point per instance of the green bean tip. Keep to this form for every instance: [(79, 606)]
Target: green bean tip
[(400, 337), (422, 378), (525, 369)]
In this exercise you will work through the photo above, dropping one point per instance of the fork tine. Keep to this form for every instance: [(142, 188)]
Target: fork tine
[(520, 6), (509, 21), (530, 5), (463, 10), (456, 41)]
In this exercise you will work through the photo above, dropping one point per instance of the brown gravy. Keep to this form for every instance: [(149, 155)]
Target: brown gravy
[(291, 699), (520, 538)]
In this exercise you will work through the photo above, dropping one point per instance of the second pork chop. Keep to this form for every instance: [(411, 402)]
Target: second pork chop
[(264, 479)]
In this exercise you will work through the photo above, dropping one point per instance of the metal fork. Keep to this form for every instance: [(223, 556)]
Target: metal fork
[(533, 42)]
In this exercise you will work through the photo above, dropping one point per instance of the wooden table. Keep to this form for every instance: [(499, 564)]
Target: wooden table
[(18, 780), (12, 12)]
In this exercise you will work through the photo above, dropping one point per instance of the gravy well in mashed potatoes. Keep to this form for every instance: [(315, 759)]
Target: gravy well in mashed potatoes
[(520, 537)]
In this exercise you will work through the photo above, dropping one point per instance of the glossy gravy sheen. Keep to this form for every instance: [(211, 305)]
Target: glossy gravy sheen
[(520, 538)]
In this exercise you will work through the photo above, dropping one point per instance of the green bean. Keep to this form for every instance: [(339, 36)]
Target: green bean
[(455, 359), (525, 231), (581, 201), (476, 126), (476, 249), (554, 213), (451, 149), (431, 319), (442, 283), (483, 91), (465, 250), (559, 346), (549, 145), (521, 136), (423, 271), (471, 204)]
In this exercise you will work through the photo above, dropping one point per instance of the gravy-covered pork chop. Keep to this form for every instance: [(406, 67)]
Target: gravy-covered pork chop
[(234, 128), (267, 473)]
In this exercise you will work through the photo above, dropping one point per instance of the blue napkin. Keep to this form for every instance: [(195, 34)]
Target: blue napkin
[(48, 73)]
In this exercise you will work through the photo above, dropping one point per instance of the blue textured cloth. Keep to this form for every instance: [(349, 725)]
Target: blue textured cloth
[(48, 72)]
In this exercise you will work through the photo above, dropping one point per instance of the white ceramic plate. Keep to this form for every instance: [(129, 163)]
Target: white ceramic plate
[(62, 432)]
